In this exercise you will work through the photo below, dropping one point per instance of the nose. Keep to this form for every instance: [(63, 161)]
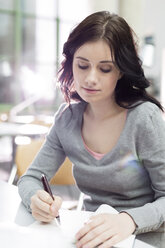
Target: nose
[(92, 77)]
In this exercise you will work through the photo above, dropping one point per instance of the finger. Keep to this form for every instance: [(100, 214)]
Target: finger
[(110, 242), (88, 227), (56, 205), (42, 213), (102, 239), (44, 196), (41, 217), (37, 203), (96, 236)]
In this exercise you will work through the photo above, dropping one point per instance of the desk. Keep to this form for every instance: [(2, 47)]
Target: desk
[(14, 129), (12, 209)]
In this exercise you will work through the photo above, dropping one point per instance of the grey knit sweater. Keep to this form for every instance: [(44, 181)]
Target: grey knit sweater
[(131, 177)]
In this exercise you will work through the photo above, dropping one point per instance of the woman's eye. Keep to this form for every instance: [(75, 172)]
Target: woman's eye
[(105, 70), (83, 67)]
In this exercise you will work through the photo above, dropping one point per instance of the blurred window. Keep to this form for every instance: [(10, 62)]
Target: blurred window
[(32, 34), (6, 39), (7, 4)]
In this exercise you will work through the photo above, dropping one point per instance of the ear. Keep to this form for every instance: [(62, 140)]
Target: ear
[(120, 75)]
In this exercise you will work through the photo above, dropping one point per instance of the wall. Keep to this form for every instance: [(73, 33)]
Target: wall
[(133, 11), (153, 22), (147, 17), (109, 5)]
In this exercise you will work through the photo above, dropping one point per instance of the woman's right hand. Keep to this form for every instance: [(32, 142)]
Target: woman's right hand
[(43, 207)]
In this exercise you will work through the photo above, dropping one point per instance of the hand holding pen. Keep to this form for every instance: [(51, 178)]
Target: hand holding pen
[(48, 189), (44, 205), (46, 185)]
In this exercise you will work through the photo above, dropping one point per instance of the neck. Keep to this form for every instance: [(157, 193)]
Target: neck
[(100, 111)]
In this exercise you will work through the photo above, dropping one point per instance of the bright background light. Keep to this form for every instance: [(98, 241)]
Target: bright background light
[(37, 84)]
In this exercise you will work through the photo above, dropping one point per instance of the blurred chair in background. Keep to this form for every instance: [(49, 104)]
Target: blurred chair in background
[(25, 154), (62, 183)]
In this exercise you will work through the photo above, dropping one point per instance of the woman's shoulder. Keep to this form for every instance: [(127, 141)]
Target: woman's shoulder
[(145, 109), (72, 107), (146, 117), (67, 111)]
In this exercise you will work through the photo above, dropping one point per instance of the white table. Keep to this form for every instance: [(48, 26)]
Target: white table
[(14, 130), (12, 209)]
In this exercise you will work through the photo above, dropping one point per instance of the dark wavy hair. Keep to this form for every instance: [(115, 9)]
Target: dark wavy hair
[(131, 87)]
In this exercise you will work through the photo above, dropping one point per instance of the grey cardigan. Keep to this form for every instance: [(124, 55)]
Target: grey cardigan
[(131, 177)]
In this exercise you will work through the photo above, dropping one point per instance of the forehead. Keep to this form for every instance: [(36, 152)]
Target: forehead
[(94, 50)]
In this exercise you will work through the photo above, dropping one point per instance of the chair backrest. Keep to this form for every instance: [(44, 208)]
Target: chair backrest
[(26, 153)]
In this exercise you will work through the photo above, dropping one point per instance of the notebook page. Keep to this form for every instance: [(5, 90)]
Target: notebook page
[(71, 221)]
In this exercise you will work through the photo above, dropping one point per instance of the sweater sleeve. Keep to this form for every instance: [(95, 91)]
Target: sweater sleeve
[(47, 161), (151, 152)]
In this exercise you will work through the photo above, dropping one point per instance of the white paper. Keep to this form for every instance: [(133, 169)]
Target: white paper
[(72, 221), (52, 234), (39, 235)]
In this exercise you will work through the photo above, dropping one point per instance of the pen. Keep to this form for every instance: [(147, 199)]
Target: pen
[(46, 185), (48, 189)]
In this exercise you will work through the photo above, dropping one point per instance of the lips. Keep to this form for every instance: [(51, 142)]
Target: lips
[(89, 90)]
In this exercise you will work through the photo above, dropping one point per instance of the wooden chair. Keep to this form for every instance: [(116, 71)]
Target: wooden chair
[(25, 153), (63, 180)]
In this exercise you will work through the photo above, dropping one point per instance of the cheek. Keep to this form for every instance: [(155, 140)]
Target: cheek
[(75, 73), (78, 77), (76, 83), (110, 84)]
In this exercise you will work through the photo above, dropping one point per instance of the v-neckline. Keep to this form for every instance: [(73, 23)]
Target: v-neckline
[(98, 162)]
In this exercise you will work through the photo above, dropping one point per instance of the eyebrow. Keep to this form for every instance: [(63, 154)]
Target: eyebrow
[(103, 61)]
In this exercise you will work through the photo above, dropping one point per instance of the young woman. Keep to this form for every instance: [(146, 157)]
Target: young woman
[(112, 131)]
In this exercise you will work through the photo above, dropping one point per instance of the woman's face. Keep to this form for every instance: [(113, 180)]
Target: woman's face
[(95, 74)]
